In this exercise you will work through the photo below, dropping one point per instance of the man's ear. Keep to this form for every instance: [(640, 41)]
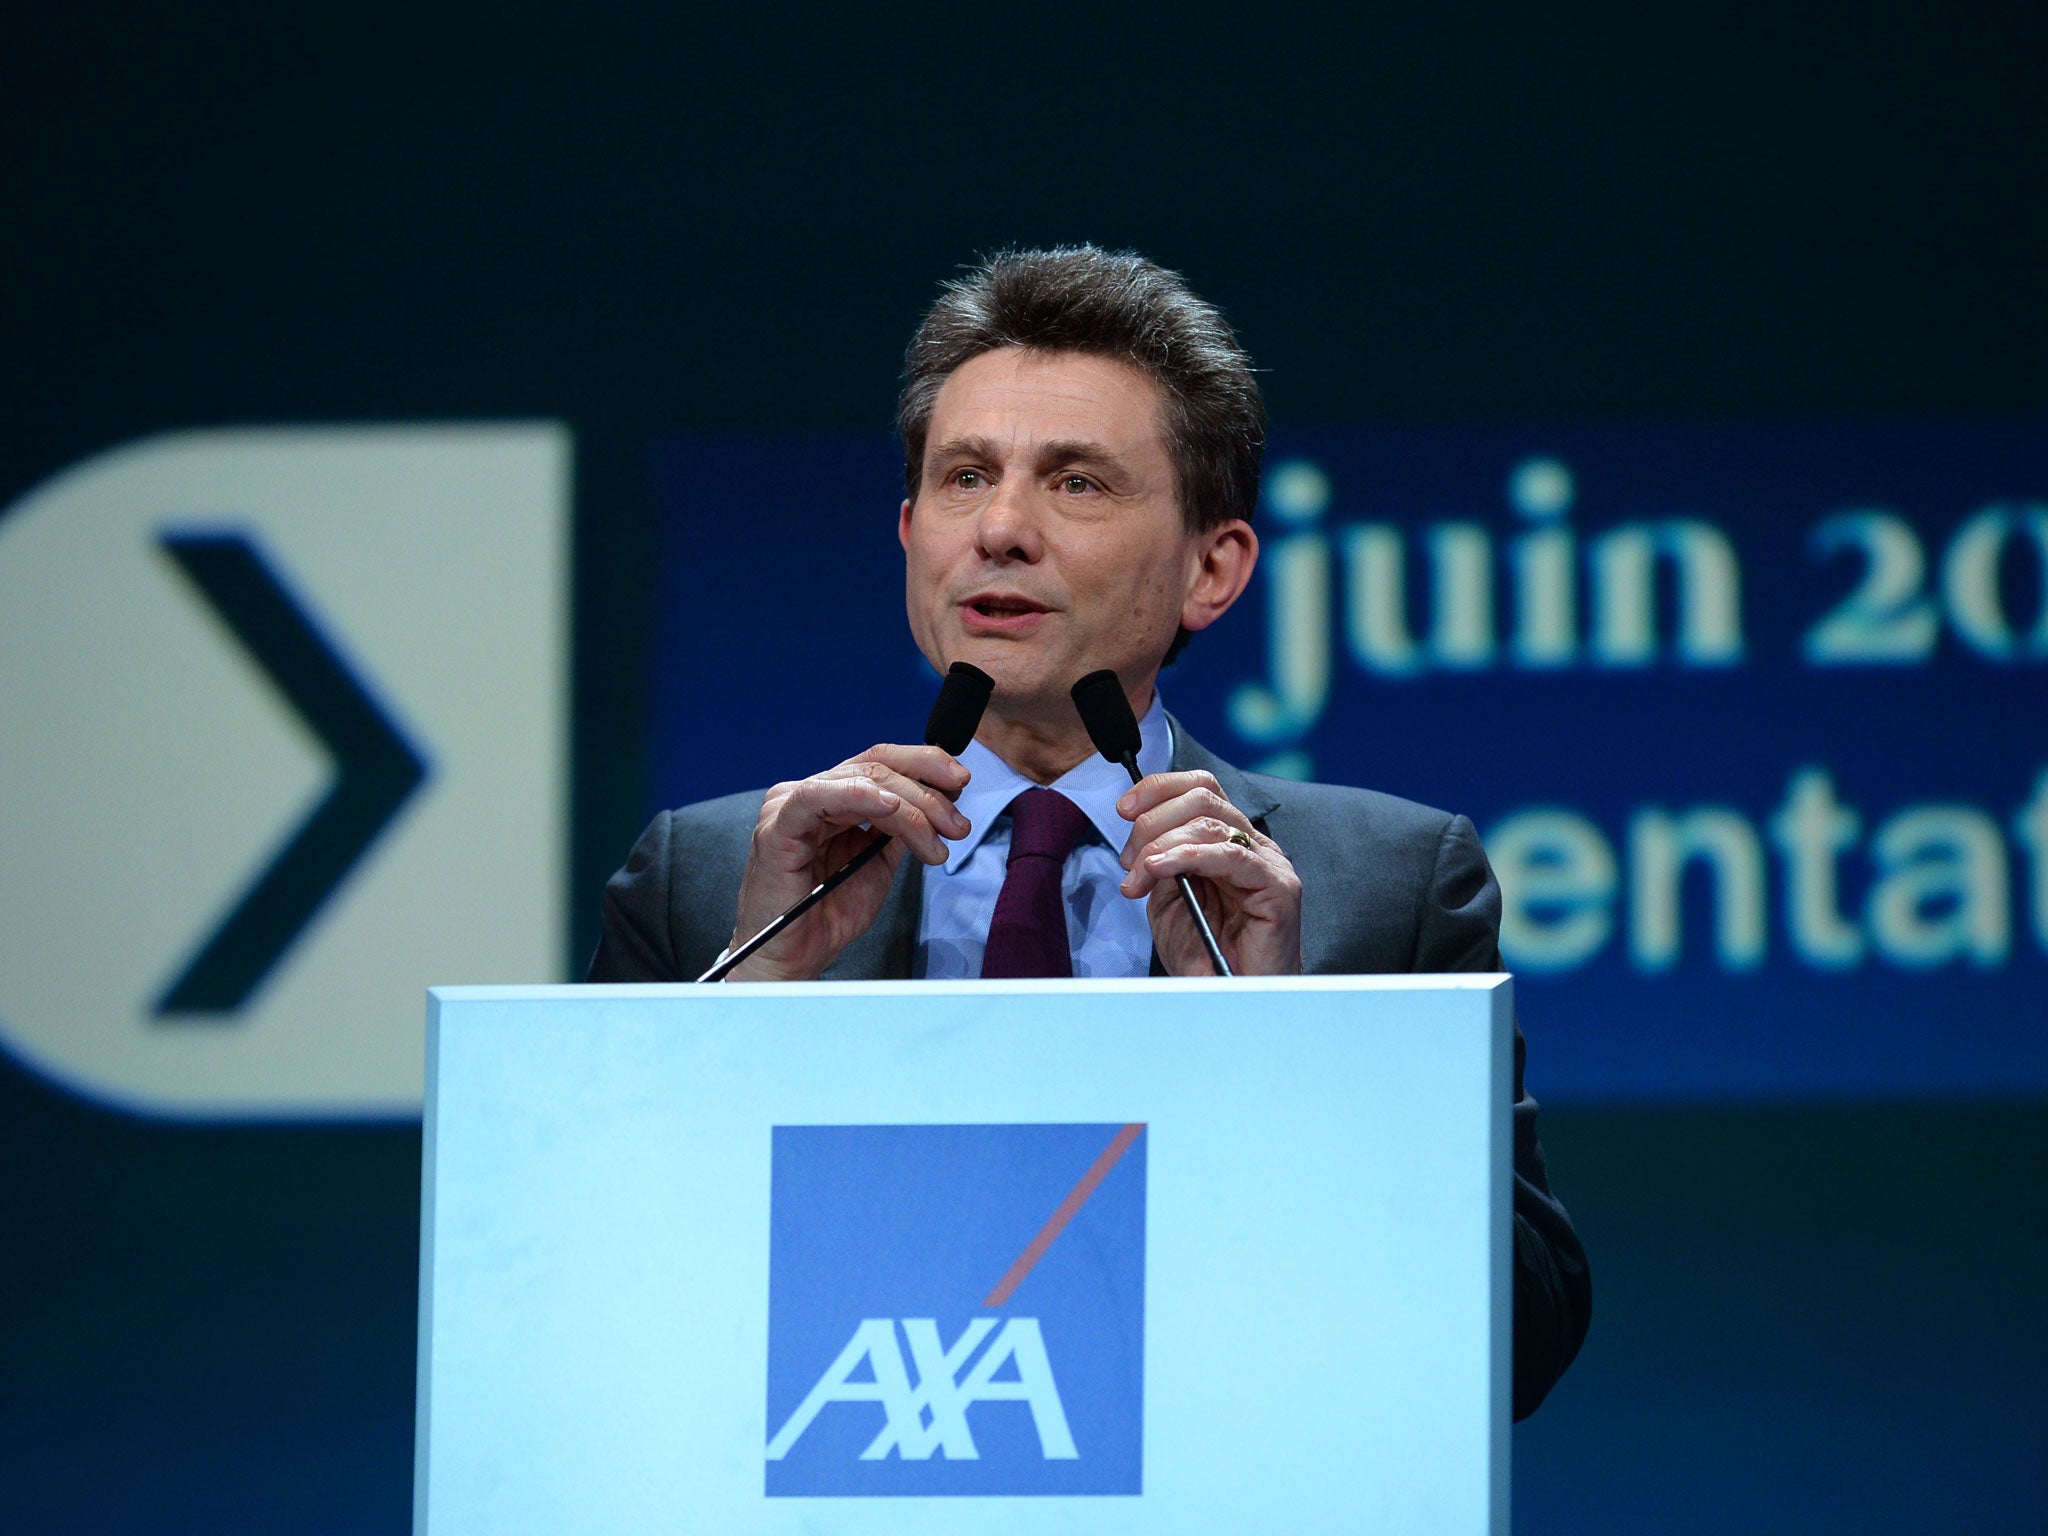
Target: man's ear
[(1226, 555), (903, 525)]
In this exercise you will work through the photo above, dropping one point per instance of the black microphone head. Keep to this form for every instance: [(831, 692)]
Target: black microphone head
[(1107, 714), (962, 697)]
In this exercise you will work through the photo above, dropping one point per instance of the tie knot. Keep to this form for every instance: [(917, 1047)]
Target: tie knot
[(1045, 824)]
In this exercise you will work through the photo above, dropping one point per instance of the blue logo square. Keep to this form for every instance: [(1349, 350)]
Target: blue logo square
[(956, 1310)]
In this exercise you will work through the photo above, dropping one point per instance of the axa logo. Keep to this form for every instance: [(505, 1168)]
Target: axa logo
[(956, 1309), (932, 1415)]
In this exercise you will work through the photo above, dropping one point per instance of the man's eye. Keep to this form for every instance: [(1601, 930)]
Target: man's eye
[(1076, 485), (967, 479)]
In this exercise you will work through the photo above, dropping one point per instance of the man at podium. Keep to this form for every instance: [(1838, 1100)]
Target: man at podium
[(1082, 442)]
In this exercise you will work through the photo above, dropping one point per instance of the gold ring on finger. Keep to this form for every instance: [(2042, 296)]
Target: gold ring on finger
[(1238, 836)]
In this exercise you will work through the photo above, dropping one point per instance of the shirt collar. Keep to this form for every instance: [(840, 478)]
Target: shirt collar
[(1095, 785)]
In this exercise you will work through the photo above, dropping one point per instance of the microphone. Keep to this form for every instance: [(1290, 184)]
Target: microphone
[(956, 713), (963, 696), (1114, 730)]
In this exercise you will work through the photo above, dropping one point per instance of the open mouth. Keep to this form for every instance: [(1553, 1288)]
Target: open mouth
[(1003, 607)]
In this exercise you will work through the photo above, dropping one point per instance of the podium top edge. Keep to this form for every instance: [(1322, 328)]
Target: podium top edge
[(1471, 981)]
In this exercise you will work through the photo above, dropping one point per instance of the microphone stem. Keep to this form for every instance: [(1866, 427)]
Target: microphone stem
[(1187, 892), (818, 893)]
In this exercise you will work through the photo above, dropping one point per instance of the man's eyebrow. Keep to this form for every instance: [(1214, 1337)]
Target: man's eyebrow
[(1078, 451), (980, 448), (1075, 450)]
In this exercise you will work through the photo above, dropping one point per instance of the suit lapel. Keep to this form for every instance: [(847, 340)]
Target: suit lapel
[(885, 951), (1191, 756)]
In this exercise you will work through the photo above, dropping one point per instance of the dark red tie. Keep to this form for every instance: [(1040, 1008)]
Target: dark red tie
[(1028, 936)]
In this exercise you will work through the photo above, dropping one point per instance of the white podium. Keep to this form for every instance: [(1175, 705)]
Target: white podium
[(908, 1257)]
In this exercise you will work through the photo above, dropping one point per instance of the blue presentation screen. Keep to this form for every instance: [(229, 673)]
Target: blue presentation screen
[(1753, 719)]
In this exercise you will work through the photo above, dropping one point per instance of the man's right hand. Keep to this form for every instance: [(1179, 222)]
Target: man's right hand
[(808, 828)]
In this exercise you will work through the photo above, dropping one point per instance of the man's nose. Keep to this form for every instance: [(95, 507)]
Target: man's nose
[(1008, 528)]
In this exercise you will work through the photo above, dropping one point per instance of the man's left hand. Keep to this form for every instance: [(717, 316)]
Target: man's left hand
[(1183, 824)]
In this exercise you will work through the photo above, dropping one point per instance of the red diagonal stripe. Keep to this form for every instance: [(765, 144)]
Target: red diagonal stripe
[(1057, 1223)]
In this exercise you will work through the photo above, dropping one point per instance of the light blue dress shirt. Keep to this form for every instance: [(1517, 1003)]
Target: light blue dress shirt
[(1107, 932)]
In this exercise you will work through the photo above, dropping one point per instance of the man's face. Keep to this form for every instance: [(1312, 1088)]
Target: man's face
[(1046, 539)]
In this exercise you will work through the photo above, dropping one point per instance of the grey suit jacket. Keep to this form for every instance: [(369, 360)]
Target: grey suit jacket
[(1388, 886)]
